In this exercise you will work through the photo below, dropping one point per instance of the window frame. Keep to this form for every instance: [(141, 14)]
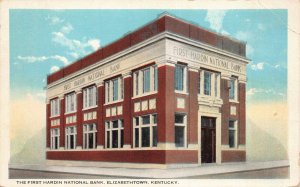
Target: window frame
[(114, 92), (90, 93), (68, 98), (184, 78), (109, 129), (53, 136), (139, 87), (184, 124), (235, 129), (140, 126), (54, 107), (86, 132), (214, 81), (68, 137), (235, 90)]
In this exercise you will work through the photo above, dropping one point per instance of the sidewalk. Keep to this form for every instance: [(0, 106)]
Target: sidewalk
[(205, 169)]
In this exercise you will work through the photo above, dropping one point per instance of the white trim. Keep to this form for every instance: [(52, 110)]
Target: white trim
[(110, 130), (140, 126), (184, 124), (88, 108), (149, 41), (218, 134)]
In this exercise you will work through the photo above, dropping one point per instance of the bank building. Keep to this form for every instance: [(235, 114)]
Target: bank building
[(168, 93)]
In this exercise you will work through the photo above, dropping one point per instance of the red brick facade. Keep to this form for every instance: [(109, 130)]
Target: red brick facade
[(167, 106)]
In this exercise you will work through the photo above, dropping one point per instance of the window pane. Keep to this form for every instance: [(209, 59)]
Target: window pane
[(146, 87), (179, 136), (154, 141), (179, 118), (231, 138), (231, 124), (115, 124), (107, 139), (154, 119), (155, 78), (137, 84), (136, 121), (179, 73), (232, 89), (207, 83), (146, 120), (71, 142), (115, 139), (56, 142), (136, 133), (145, 137), (122, 138), (91, 140), (115, 89)]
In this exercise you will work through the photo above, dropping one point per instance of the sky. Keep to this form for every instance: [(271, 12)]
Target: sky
[(42, 41)]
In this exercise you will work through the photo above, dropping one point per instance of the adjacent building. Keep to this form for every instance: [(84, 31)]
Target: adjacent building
[(168, 93)]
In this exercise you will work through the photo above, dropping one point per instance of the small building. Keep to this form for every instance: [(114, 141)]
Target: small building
[(168, 93)]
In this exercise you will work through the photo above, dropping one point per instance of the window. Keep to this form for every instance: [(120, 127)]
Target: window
[(233, 89), (70, 137), (54, 104), (207, 83), (146, 76), (180, 77), (90, 97), (70, 102), (89, 136), (180, 130), (114, 134), (145, 80), (114, 90), (54, 138), (145, 131), (232, 140)]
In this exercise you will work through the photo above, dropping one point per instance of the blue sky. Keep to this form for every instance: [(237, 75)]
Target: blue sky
[(41, 41)]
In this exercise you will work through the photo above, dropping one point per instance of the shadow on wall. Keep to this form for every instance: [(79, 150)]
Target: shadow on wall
[(262, 145), (33, 151)]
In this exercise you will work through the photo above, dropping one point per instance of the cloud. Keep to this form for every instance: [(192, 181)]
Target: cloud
[(74, 55), (54, 69), (254, 91), (54, 20), (61, 58), (243, 35), (215, 19), (258, 66), (80, 48), (33, 59), (94, 43), (66, 28)]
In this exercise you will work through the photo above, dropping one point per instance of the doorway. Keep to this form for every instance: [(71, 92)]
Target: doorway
[(208, 140)]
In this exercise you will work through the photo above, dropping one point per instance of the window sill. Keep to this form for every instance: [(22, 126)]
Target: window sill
[(54, 116), (72, 112), (145, 94), (114, 102), (90, 108), (233, 101), (181, 92)]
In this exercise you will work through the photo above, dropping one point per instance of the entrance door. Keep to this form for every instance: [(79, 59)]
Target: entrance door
[(208, 140)]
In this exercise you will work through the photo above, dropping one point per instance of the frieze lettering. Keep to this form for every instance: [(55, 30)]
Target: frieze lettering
[(206, 59), (92, 76)]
